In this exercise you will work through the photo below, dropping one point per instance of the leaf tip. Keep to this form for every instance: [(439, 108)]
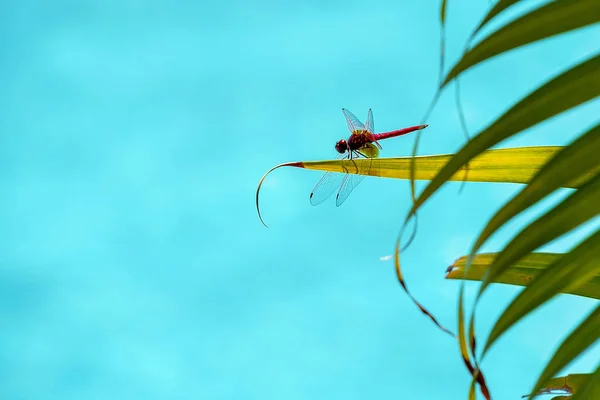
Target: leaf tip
[(290, 164)]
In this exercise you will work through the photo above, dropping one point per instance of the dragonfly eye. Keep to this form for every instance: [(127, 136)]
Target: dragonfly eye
[(341, 146)]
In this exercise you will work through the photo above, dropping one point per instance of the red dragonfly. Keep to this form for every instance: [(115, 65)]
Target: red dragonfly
[(363, 142)]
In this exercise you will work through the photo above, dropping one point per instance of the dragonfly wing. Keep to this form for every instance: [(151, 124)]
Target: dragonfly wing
[(328, 184), (353, 123), (370, 125), (350, 182)]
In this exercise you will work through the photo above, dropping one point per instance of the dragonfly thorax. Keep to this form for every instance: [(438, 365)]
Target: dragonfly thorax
[(359, 140)]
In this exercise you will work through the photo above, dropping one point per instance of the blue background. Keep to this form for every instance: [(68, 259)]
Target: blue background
[(133, 265)]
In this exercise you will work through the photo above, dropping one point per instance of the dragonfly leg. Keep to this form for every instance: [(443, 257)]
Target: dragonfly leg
[(356, 154)]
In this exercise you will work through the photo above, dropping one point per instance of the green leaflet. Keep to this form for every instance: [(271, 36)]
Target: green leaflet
[(573, 87), (549, 20), (443, 13), (585, 335), (568, 271), (590, 388), (570, 384), (577, 161), (497, 9), (464, 352), (512, 165), (579, 207), (521, 273)]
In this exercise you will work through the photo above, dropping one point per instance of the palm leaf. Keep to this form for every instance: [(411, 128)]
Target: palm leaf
[(577, 161), (569, 384), (584, 336), (521, 273), (590, 389), (512, 165), (578, 208), (498, 8), (567, 272), (574, 87), (546, 274), (554, 18)]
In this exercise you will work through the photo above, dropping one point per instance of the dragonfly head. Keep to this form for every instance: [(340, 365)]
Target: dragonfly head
[(341, 146)]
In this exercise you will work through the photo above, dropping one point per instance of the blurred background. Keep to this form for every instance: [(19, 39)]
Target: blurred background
[(132, 262)]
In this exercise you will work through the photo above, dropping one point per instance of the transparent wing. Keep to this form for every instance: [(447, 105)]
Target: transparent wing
[(327, 185), (370, 125), (350, 182), (353, 123)]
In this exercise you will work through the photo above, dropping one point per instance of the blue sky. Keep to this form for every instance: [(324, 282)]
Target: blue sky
[(134, 265)]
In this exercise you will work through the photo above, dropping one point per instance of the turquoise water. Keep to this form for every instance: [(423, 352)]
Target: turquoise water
[(133, 263)]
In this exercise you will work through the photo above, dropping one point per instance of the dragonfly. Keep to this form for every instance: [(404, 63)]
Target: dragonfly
[(362, 143)]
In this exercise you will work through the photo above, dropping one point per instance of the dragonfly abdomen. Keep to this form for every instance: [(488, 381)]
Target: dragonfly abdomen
[(399, 132)]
